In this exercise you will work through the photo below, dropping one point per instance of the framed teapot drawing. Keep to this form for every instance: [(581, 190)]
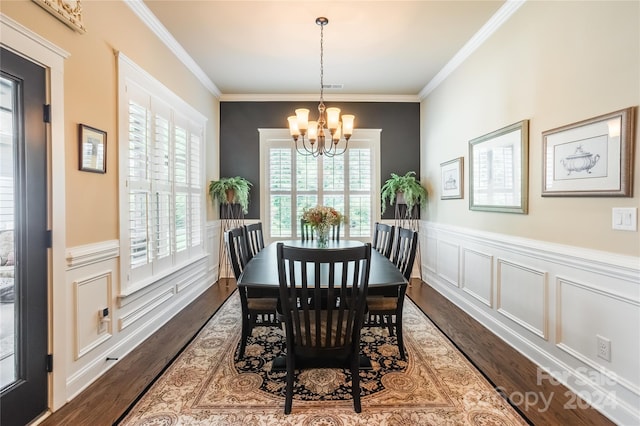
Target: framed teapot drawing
[(590, 158)]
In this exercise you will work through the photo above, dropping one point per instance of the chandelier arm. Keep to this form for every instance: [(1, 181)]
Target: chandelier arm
[(307, 150), (334, 149)]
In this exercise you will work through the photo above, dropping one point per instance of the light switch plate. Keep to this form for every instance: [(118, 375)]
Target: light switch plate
[(624, 218)]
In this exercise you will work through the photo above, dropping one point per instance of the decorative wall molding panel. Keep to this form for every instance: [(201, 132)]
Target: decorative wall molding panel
[(92, 296), (522, 296), (93, 281), (602, 313), (448, 262), (149, 306), (553, 303), (213, 239), (477, 275)]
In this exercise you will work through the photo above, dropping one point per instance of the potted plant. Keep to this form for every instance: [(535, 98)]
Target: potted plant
[(231, 190), (404, 189)]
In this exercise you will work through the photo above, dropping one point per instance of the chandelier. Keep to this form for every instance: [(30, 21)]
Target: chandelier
[(310, 137)]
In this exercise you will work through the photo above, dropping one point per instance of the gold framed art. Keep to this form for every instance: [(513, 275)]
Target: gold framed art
[(590, 158)]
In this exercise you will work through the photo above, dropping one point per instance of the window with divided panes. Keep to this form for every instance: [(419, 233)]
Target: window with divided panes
[(295, 182), (161, 162)]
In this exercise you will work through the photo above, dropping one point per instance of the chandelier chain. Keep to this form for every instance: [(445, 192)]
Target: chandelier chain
[(321, 63)]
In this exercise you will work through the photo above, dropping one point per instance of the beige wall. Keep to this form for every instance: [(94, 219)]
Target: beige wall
[(553, 63), (90, 94)]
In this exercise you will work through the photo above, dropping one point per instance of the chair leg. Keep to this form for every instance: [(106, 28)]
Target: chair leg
[(399, 337), (288, 400), (246, 330), (355, 384), (389, 320)]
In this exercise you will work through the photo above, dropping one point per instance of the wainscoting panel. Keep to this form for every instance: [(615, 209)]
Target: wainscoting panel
[(448, 262), (93, 284), (522, 296), (550, 302), (601, 313), (428, 252), (92, 296), (477, 275), (213, 241)]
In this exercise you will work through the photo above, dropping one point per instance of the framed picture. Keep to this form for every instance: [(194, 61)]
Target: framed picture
[(498, 170), (93, 149), (593, 157), (451, 179)]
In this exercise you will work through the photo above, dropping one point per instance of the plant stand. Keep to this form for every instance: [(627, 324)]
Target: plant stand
[(231, 216)]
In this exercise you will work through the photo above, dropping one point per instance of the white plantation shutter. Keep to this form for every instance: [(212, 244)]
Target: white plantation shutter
[(161, 184), (360, 189), (181, 188), (139, 186), (280, 190), (196, 188), (162, 207), (344, 182)]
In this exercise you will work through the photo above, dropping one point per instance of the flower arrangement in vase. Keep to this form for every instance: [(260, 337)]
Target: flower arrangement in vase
[(322, 218)]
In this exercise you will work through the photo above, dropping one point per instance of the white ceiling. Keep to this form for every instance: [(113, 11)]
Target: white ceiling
[(372, 48)]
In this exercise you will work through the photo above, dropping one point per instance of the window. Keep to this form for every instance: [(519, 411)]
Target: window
[(161, 189), (293, 182)]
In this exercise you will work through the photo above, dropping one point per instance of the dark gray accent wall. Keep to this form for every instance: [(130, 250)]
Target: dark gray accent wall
[(239, 138)]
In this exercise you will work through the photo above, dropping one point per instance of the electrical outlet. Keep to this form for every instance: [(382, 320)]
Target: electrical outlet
[(103, 320), (604, 348)]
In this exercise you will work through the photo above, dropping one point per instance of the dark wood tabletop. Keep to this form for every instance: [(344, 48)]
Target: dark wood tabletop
[(262, 270)]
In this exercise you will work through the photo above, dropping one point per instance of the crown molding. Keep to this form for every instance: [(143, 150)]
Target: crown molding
[(496, 21), (149, 19), (315, 98)]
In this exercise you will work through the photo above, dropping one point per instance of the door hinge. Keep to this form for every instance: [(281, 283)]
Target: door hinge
[(49, 363), (46, 113), (49, 238)]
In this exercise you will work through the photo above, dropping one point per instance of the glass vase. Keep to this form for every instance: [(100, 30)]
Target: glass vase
[(322, 233)]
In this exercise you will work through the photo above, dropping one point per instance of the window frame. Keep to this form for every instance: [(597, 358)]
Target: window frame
[(368, 138), (135, 84)]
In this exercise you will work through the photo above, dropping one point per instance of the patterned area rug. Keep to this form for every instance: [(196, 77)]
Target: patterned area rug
[(207, 386)]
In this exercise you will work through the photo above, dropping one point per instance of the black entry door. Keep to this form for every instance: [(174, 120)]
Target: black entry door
[(23, 241)]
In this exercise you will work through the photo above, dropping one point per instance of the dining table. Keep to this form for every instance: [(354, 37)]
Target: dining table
[(260, 277), (261, 272)]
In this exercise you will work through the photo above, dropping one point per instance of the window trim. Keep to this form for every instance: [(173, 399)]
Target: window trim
[(269, 136), (130, 74)]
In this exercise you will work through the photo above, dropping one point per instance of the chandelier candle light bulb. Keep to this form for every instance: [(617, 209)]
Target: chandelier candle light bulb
[(305, 133)]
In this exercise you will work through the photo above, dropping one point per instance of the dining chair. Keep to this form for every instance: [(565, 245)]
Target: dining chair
[(307, 231), (385, 304), (254, 238), (258, 307), (383, 238), (323, 316)]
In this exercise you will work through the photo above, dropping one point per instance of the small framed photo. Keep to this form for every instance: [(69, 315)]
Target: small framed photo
[(590, 158), (93, 149), (499, 170), (451, 179)]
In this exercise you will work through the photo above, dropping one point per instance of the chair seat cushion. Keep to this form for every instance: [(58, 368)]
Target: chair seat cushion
[(382, 303), (262, 304)]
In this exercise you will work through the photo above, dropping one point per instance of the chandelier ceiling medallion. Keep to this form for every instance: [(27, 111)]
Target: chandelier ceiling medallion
[(309, 136)]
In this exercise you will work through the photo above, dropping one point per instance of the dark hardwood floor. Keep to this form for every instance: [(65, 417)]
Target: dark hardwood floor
[(506, 368), (109, 397), (106, 400)]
